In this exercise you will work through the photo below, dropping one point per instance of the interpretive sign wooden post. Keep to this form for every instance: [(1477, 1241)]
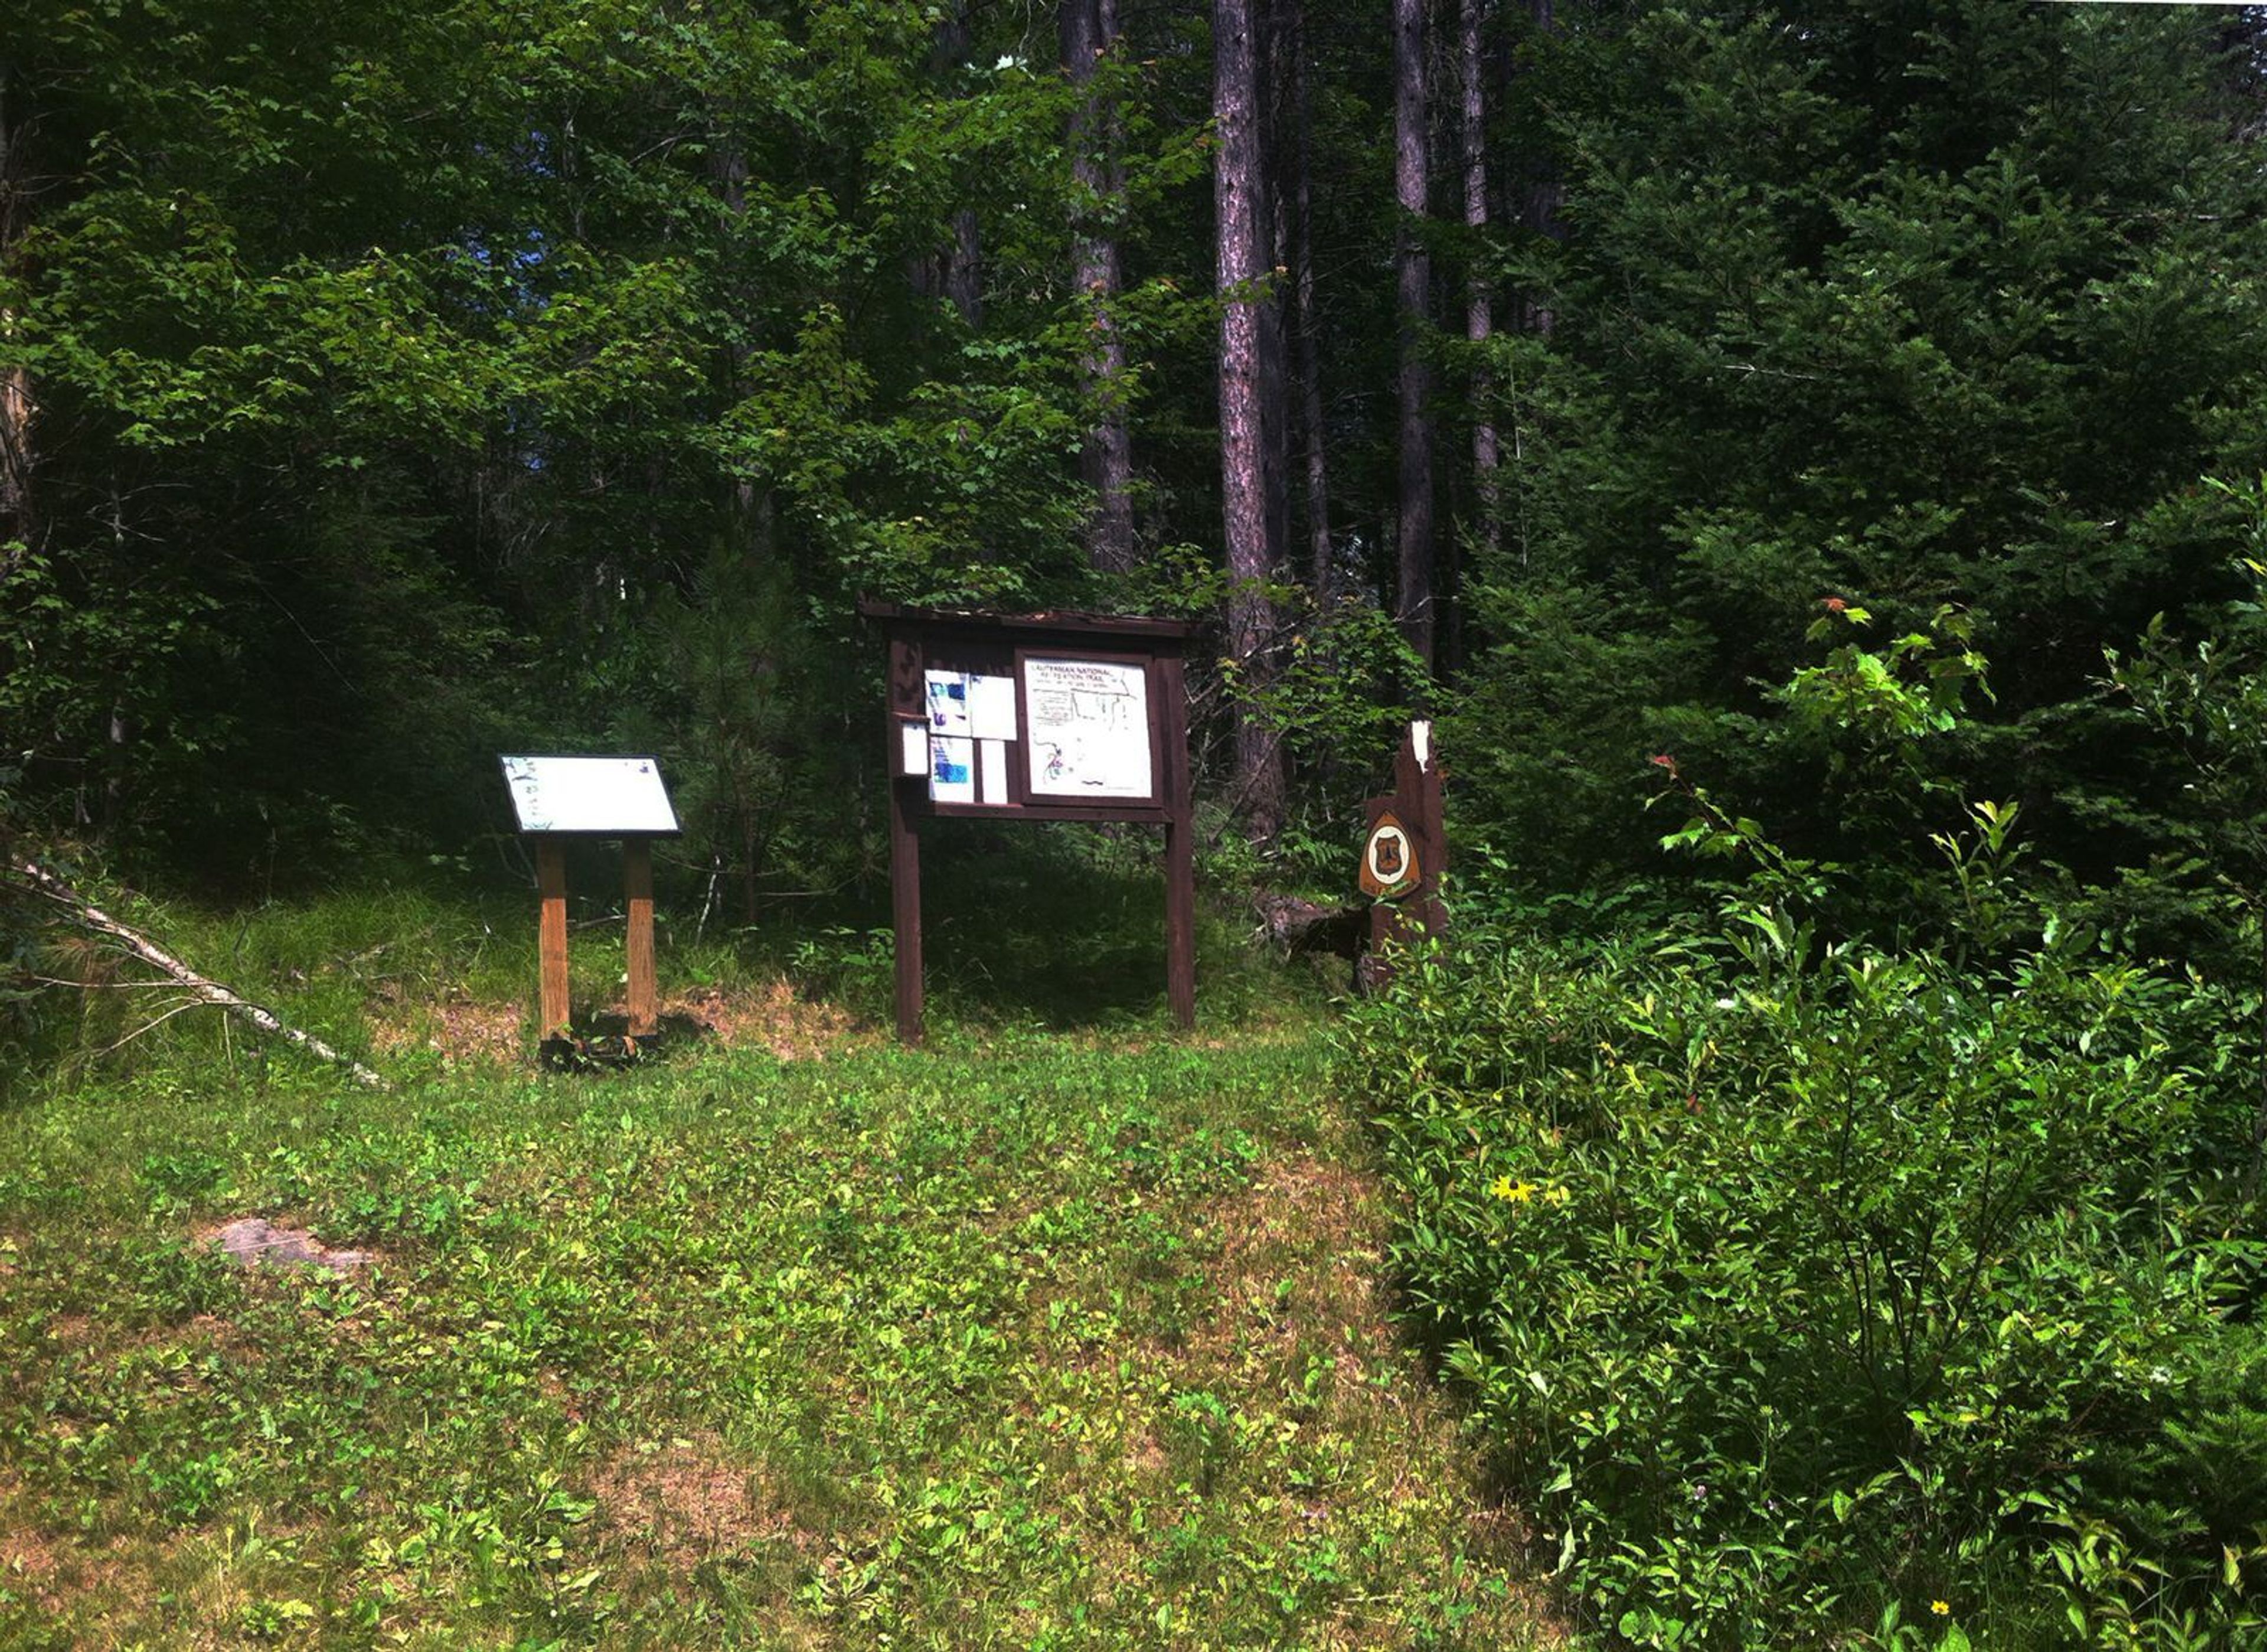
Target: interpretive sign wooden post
[(561, 797), (1041, 717), (1404, 853)]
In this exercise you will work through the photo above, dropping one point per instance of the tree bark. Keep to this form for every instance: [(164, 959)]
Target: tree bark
[(1539, 197), (1414, 609), (1300, 926), (1275, 235), (1242, 431), (1308, 368), (954, 270), (1088, 30), (15, 383), (1479, 316)]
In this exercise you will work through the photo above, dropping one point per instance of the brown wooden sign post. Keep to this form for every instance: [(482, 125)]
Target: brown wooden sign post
[(618, 798), (1044, 717), (1404, 853)]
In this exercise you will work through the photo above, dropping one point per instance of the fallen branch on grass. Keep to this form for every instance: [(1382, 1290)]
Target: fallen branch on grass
[(90, 916)]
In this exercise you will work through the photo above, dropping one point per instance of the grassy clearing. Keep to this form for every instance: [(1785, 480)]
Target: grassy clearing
[(1035, 1339)]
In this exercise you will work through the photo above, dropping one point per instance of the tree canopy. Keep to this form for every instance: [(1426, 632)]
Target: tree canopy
[(395, 385)]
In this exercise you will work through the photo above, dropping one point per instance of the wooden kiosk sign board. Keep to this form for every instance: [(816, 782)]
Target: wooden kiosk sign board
[(561, 797), (1043, 717)]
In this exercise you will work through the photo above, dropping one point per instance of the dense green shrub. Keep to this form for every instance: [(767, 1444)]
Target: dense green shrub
[(1813, 1291), (1876, 1261)]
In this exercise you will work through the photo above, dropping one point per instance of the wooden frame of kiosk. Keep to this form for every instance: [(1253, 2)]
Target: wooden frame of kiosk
[(1039, 716)]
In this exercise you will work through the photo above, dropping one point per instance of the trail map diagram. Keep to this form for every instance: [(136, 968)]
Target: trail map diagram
[(1088, 733)]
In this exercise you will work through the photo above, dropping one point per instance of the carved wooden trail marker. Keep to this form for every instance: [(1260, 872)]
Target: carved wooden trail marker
[(1042, 716), (1404, 853)]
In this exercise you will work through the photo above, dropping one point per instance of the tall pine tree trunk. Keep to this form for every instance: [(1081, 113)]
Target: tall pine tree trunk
[(1309, 367), (1414, 605), (1479, 313), (15, 383), (1236, 200), (1274, 236), (954, 270), (1539, 198), (1089, 28)]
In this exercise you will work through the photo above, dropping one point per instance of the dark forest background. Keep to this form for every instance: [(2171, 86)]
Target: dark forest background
[(388, 386)]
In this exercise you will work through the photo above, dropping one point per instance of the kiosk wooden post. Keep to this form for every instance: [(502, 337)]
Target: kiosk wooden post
[(622, 798), (905, 908), (644, 991), (551, 888), (1045, 716)]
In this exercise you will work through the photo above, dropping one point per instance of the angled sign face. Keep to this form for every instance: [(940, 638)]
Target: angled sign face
[(592, 797), (1388, 860)]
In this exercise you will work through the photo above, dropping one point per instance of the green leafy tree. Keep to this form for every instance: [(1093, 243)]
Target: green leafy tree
[(398, 374), (1921, 303)]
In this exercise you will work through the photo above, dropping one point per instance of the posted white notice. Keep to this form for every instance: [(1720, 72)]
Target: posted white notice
[(952, 769), (992, 708), (993, 784), (613, 797), (1089, 728), (946, 695)]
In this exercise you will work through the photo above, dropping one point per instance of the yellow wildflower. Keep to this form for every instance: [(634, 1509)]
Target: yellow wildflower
[(1941, 1608)]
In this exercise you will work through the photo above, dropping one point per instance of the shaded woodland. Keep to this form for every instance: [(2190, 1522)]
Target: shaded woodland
[(385, 388)]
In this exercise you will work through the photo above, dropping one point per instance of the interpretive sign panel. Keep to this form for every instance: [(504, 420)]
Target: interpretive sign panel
[(1086, 730), (596, 796), (560, 798), (1037, 716)]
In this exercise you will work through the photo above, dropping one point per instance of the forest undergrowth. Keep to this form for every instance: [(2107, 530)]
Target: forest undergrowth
[(1874, 1259)]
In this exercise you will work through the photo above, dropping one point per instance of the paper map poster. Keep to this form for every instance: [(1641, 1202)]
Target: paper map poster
[(611, 796), (1089, 733)]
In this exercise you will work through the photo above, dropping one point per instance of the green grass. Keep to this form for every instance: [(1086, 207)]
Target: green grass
[(1037, 1339)]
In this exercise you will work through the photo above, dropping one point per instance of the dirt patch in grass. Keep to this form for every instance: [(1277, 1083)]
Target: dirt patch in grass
[(463, 1031), (27, 1561), (458, 1029), (200, 1333), (773, 1017), (685, 1502), (71, 1330), (1308, 1221), (1294, 1281)]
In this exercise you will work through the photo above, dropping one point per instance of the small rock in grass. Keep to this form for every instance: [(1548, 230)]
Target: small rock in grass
[(254, 1240)]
